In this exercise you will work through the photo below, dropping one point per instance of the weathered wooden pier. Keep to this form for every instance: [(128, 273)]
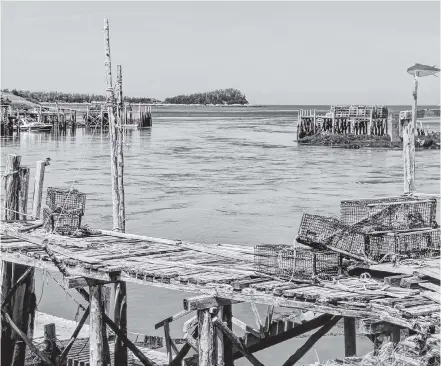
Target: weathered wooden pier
[(384, 297)]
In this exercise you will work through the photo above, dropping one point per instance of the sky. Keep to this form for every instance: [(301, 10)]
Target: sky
[(274, 52)]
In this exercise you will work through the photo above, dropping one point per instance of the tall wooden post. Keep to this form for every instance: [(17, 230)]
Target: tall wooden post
[(120, 153), (117, 169), (38, 188), (112, 128), (350, 337)]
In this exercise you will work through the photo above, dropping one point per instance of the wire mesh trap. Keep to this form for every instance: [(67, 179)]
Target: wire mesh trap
[(286, 262), (65, 210), (62, 223), (416, 244), (392, 213), (65, 200), (320, 232)]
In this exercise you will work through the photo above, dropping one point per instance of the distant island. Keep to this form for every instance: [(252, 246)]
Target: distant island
[(220, 96), (217, 97)]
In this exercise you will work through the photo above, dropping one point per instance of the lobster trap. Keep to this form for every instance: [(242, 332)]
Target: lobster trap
[(65, 200), (64, 211), (62, 223), (320, 232), (286, 262), (388, 214), (415, 244)]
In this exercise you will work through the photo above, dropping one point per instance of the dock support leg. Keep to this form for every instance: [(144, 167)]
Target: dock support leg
[(227, 316), (38, 188), (96, 340), (206, 338), (120, 318), (395, 335), (350, 337)]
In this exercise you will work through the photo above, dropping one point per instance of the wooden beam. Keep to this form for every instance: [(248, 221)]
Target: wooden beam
[(409, 158), (206, 338), (246, 328), (177, 361), (173, 318), (120, 154), (73, 337), (259, 345), (257, 316), (219, 342), (78, 281), (206, 301), (168, 340), (350, 337), (236, 342), (311, 341)]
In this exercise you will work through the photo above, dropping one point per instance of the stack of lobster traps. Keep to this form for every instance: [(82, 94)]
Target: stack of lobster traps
[(368, 230)]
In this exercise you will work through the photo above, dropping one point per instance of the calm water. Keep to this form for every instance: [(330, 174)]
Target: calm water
[(227, 175)]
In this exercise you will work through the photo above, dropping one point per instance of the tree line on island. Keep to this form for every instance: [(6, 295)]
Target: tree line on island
[(220, 96)]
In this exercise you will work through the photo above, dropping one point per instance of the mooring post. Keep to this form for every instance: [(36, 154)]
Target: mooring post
[(12, 187), (38, 188), (219, 341), (350, 337), (206, 338), (415, 103), (23, 192)]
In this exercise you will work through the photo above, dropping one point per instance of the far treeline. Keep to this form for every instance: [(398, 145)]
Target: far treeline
[(224, 96), (51, 97)]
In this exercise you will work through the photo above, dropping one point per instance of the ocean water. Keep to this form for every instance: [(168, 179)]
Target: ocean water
[(215, 175)]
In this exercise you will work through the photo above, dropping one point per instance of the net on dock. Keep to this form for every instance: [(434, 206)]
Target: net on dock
[(65, 199), (286, 262)]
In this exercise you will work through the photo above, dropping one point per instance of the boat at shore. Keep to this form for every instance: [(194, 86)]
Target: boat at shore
[(34, 126)]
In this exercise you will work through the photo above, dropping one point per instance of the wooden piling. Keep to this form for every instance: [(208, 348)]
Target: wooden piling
[(12, 187), (415, 103), (120, 319), (350, 337), (394, 127), (227, 316), (23, 192), (38, 188), (206, 338)]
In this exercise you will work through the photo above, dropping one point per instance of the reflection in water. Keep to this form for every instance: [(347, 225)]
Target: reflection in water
[(223, 178)]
